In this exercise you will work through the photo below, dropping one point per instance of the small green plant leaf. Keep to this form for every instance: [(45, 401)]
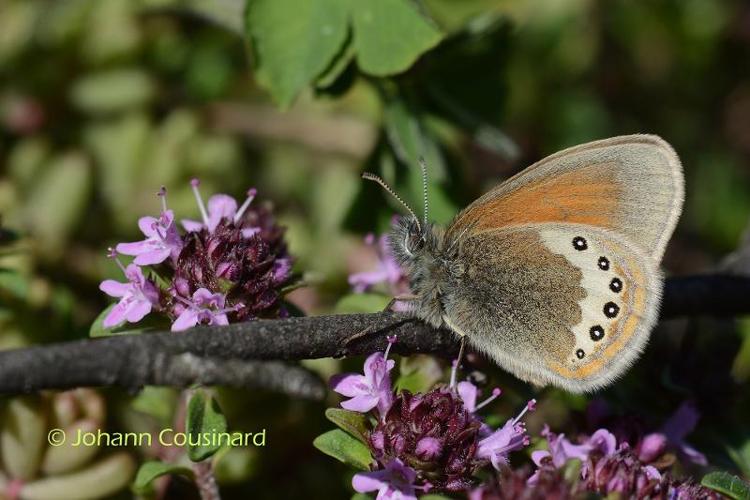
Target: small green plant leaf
[(389, 35), (153, 470), (727, 484), (294, 42), (204, 420), (352, 422), (345, 448)]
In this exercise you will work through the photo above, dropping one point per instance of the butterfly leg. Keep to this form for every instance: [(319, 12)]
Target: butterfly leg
[(399, 298), (369, 329)]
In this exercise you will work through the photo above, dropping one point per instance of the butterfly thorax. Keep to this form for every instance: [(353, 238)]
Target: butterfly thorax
[(420, 250)]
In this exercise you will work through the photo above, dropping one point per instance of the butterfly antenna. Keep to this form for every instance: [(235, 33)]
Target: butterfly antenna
[(423, 166), (372, 177)]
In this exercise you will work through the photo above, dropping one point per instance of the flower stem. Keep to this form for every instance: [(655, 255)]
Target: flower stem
[(205, 480)]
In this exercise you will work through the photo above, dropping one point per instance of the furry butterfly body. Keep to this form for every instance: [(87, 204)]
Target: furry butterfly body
[(554, 273)]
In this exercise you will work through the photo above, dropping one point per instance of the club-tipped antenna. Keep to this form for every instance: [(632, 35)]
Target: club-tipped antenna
[(375, 178), (423, 166)]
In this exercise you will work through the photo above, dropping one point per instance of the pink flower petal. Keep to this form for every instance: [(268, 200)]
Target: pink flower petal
[(156, 256), (188, 319), (134, 248), (468, 393), (362, 403), (539, 455), (147, 225), (191, 226), (116, 316), (137, 311), (219, 319), (220, 206), (114, 288), (369, 481), (349, 384)]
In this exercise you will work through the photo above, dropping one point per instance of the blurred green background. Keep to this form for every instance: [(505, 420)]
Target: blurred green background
[(102, 102)]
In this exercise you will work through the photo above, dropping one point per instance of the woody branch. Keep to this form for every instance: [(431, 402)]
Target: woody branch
[(250, 354)]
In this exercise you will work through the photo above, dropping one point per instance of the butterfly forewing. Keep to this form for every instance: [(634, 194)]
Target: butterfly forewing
[(632, 185)]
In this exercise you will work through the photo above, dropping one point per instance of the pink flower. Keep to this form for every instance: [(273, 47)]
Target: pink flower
[(137, 297), (679, 425), (511, 437), (373, 389), (205, 308), (220, 207), (162, 241), (394, 482), (387, 269), (561, 449), (651, 447)]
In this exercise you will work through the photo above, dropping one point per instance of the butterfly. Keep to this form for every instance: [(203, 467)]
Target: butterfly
[(554, 273)]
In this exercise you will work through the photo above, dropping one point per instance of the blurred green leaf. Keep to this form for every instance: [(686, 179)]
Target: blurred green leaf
[(418, 373), (14, 283), (113, 90), (741, 456), (351, 421), (101, 479), (361, 303), (345, 448), (411, 142), (294, 41), (389, 35), (23, 436), (152, 470), (204, 418), (236, 465), (727, 484), (741, 364), (57, 202), (159, 402)]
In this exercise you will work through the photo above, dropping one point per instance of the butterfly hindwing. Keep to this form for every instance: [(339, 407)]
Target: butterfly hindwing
[(568, 304)]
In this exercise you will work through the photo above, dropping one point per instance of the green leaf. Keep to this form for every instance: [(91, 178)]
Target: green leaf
[(727, 484), (345, 448), (351, 421), (204, 418), (361, 303), (389, 35), (294, 41), (153, 470), (337, 66)]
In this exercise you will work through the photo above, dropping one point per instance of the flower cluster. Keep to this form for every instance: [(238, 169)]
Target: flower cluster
[(608, 466), (425, 442), (227, 267)]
